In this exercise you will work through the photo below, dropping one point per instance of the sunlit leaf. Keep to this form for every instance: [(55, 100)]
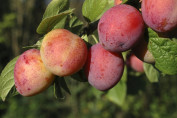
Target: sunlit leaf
[(55, 7), (49, 23), (92, 9), (7, 79), (151, 73)]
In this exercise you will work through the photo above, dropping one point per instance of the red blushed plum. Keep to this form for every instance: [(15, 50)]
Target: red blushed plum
[(160, 15), (141, 51), (103, 68), (120, 28), (135, 63), (30, 74), (63, 52)]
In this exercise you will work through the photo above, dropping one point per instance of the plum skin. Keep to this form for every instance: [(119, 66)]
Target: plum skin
[(141, 51), (103, 68), (30, 75), (160, 15), (120, 28), (135, 63), (63, 52)]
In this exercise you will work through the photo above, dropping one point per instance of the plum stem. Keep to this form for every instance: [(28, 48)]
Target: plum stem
[(94, 37)]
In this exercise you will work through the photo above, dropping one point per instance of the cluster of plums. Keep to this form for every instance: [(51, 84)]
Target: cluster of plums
[(63, 53)]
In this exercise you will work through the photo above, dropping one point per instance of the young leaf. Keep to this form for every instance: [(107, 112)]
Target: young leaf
[(118, 93), (55, 7), (7, 79), (164, 51), (151, 73), (85, 38), (92, 9), (49, 23)]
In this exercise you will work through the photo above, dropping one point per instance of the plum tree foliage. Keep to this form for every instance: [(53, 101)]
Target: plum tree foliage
[(91, 50)]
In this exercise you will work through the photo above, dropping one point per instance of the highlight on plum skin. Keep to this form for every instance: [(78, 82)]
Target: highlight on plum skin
[(30, 75), (63, 52), (120, 28), (103, 68), (135, 63), (160, 15)]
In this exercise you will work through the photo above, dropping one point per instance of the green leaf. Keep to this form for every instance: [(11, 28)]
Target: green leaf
[(12, 92), (109, 5), (79, 76), (61, 24), (152, 33), (175, 40), (75, 25), (165, 53), (124, 1), (57, 90), (151, 73), (97, 93), (74, 21), (55, 7), (7, 79), (92, 9), (59, 86), (118, 93), (64, 85), (36, 45), (49, 23), (85, 38)]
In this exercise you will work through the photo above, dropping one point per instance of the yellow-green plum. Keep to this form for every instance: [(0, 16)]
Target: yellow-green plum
[(160, 15), (63, 52), (103, 69), (120, 28), (30, 75)]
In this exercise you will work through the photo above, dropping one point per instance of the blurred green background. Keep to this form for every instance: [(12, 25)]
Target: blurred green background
[(18, 22)]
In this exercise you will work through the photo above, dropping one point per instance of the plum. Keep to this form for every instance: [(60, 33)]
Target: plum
[(63, 52), (103, 68), (135, 63), (160, 15), (30, 75), (120, 28), (141, 51)]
